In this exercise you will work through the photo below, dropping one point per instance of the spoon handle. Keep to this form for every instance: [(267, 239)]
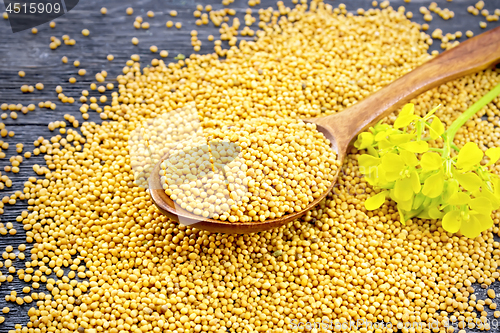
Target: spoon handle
[(471, 56)]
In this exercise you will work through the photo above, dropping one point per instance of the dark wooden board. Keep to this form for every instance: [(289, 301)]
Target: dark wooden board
[(112, 34)]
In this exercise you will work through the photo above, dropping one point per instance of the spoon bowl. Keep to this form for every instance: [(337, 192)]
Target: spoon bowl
[(168, 207), (473, 55)]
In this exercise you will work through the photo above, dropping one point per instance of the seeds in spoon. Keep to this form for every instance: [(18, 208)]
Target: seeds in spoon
[(252, 171)]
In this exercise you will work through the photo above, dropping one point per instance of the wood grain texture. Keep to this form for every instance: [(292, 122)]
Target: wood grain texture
[(111, 34)]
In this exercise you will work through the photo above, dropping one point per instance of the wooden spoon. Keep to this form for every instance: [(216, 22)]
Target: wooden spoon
[(471, 56)]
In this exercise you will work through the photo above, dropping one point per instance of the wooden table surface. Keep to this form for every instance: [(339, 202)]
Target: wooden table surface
[(112, 34)]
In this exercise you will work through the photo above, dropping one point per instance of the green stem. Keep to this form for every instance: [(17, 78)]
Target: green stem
[(419, 130), (462, 119)]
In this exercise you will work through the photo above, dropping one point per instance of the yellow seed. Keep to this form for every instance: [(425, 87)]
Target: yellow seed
[(85, 32), (104, 11), (110, 57), (153, 49), (163, 53), (178, 25), (169, 24), (52, 24), (130, 11), (135, 40)]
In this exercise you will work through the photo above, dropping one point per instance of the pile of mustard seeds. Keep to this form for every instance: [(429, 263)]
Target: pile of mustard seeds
[(121, 266)]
